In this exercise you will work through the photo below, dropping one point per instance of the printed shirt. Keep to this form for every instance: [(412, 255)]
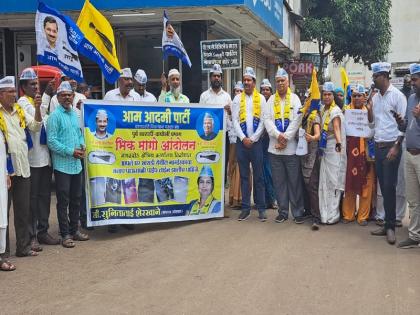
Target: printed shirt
[(236, 105), (18, 146), (412, 132), (384, 123), (148, 97), (169, 97), (39, 155), (290, 133), (64, 135), (115, 95)]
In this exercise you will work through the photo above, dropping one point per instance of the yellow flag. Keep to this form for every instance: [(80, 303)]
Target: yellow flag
[(344, 82), (312, 102), (97, 30)]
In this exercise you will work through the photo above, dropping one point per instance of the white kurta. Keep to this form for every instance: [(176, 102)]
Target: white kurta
[(3, 194), (332, 176)]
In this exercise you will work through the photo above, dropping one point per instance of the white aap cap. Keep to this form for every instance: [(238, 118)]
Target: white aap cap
[(265, 83), (216, 69), (64, 87), (173, 72), (249, 71), (126, 73), (101, 114), (141, 76), (7, 82), (381, 67), (239, 86), (281, 73), (28, 74), (328, 87), (358, 88), (415, 68)]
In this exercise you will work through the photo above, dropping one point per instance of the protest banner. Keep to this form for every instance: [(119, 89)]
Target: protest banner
[(153, 163), (357, 124)]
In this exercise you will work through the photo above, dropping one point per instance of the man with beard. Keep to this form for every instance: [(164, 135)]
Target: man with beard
[(387, 103), (40, 163), (174, 94), (247, 118), (125, 91), (140, 80), (67, 146), (406, 89), (411, 125)]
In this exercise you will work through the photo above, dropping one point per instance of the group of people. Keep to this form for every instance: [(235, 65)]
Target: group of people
[(262, 129), (336, 178)]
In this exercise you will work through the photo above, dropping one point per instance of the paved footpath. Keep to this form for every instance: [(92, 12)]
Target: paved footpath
[(219, 267)]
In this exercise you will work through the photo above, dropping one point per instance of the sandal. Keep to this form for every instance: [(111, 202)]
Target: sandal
[(79, 236), (29, 253), (6, 265), (68, 242)]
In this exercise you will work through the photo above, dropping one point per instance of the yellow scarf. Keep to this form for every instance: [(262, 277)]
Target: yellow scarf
[(278, 117), (21, 114), (328, 118), (3, 126), (256, 102)]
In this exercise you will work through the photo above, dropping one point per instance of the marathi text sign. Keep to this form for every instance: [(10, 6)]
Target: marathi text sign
[(153, 163), (357, 124), (225, 52)]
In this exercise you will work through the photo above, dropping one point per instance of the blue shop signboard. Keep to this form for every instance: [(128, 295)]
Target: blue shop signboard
[(270, 12)]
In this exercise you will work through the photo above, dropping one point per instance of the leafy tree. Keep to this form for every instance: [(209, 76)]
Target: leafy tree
[(358, 28)]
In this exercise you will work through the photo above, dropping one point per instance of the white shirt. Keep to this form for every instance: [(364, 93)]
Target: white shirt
[(236, 106), (147, 97), (295, 120), (115, 95), (54, 104), (384, 123), (39, 155)]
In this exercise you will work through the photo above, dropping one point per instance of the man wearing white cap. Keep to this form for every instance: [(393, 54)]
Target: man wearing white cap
[(17, 124), (77, 97), (65, 140), (247, 117), (174, 94), (40, 163), (140, 80), (282, 121), (124, 91), (101, 125), (270, 201), (411, 125), (383, 109)]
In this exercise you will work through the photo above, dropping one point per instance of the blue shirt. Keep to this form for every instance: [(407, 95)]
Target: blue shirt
[(64, 135), (412, 133)]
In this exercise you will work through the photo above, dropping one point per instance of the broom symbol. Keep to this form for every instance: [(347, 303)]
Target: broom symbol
[(105, 40)]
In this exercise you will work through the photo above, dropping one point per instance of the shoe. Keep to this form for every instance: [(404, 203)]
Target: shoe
[(315, 225), (363, 223), (299, 220), (129, 227), (390, 236), (398, 223), (345, 221), (408, 243), (379, 232), (262, 216), (272, 205), (113, 228), (380, 222), (244, 215), (280, 218), (47, 239), (79, 236), (35, 245)]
